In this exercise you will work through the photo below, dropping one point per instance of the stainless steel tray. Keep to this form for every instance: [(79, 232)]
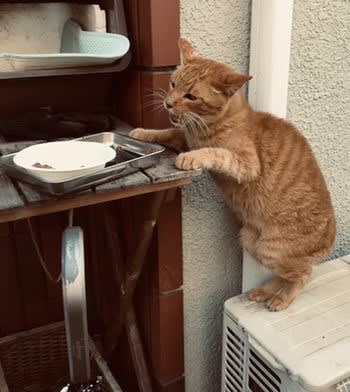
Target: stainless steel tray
[(132, 155)]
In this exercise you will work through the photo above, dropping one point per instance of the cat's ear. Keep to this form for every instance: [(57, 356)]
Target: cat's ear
[(187, 51), (231, 82)]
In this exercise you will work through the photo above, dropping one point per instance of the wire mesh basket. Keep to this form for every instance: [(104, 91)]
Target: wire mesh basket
[(36, 361)]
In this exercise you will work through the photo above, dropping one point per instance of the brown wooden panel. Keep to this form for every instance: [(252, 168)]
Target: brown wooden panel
[(167, 273), (167, 336), (132, 21), (153, 85), (31, 276), (73, 93), (4, 230), (127, 97), (138, 102), (154, 29), (92, 234), (11, 302), (177, 385), (122, 366), (51, 228)]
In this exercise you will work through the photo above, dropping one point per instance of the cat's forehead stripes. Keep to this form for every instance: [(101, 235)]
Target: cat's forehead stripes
[(190, 74)]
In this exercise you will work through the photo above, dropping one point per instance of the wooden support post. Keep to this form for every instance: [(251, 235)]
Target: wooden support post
[(127, 284), (137, 352), (134, 269)]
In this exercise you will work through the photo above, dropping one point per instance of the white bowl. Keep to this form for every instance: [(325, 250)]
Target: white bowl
[(67, 159)]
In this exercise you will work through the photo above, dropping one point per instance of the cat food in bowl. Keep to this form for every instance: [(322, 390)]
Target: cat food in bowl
[(61, 161)]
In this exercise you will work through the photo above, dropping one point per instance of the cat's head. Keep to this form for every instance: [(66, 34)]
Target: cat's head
[(200, 88)]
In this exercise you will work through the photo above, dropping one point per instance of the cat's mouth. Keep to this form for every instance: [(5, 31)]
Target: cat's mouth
[(174, 119)]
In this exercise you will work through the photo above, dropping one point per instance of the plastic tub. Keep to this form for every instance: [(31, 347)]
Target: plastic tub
[(78, 48)]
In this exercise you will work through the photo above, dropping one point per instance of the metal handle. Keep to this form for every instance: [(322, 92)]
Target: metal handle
[(74, 302)]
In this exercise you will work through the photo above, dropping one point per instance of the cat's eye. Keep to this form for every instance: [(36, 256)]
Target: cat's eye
[(172, 84), (190, 97)]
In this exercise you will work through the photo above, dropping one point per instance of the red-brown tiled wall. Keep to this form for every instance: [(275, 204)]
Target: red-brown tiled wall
[(160, 301), (167, 336), (140, 103), (153, 27)]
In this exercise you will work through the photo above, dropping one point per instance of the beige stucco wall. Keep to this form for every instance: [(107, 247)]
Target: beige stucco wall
[(212, 258), (319, 96), (318, 104)]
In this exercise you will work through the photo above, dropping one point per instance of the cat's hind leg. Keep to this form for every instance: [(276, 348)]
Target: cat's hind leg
[(268, 291), (288, 293)]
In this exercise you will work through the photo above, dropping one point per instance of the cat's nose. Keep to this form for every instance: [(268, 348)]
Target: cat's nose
[(168, 105)]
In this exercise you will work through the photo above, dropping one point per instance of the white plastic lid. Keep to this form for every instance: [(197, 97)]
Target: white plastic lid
[(310, 339)]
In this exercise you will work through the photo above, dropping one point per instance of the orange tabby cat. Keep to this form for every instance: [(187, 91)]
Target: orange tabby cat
[(262, 164)]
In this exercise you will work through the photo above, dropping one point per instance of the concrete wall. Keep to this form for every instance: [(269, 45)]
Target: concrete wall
[(318, 104), (319, 96), (212, 258)]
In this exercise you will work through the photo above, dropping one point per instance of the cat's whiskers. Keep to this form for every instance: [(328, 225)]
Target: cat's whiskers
[(160, 94), (153, 102), (191, 125), (164, 92), (188, 123), (156, 108), (199, 126)]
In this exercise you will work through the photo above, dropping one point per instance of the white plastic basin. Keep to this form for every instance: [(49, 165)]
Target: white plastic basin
[(67, 159)]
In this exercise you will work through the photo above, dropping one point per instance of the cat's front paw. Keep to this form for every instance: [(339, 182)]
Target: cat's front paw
[(141, 134), (189, 161), (259, 295), (276, 304)]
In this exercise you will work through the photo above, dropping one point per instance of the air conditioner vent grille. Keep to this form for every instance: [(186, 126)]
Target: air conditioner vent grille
[(261, 374), (234, 362), (244, 369)]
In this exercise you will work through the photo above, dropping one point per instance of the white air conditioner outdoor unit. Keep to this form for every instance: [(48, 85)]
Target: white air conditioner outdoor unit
[(305, 348)]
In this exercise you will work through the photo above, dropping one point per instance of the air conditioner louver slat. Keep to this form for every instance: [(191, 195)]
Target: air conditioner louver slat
[(244, 370), (257, 359), (260, 371), (237, 361), (228, 388), (237, 357), (234, 366), (235, 339), (233, 383), (258, 382), (234, 360), (236, 378)]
